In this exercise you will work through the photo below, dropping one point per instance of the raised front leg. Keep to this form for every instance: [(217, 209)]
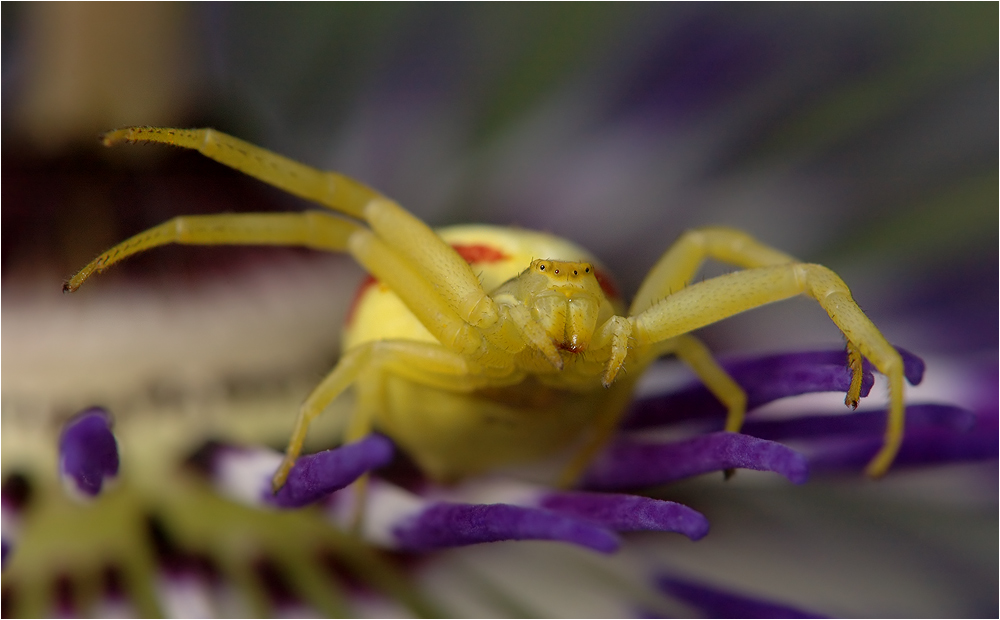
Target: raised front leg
[(713, 300), (330, 189), (445, 281), (439, 264), (441, 290)]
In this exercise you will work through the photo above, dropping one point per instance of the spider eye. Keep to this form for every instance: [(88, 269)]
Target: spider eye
[(541, 267), (575, 272), (556, 271), (587, 270)]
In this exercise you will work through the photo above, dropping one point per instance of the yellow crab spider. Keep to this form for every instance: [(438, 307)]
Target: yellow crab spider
[(523, 354)]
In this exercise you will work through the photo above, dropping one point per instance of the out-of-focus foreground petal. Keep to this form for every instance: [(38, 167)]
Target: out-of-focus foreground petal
[(88, 453), (633, 464), (765, 379), (715, 602), (245, 473)]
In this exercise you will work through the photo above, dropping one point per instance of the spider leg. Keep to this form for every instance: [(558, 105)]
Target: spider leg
[(697, 356), (309, 229), (456, 288), (681, 262), (420, 296), (441, 265), (453, 282), (713, 300), (616, 400), (674, 271), (330, 189), (447, 272), (429, 363), (426, 275)]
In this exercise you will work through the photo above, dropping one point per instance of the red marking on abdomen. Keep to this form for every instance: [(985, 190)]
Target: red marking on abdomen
[(366, 284), (479, 253), (607, 283)]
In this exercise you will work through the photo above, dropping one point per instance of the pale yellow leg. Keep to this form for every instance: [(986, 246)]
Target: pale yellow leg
[(440, 265), (681, 262), (675, 270), (425, 362), (360, 426), (696, 355), (409, 282), (330, 189), (855, 362), (406, 254), (713, 300), (615, 405), (689, 349), (458, 301), (416, 292), (342, 376), (447, 272), (309, 229), (616, 333)]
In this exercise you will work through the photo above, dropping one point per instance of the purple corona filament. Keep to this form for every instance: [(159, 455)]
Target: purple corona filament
[(88, 453)]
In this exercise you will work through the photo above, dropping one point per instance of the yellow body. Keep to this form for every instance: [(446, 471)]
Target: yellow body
[(524, 353), (451, 433)]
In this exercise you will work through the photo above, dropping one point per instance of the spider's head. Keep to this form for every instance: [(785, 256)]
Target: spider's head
[(565, 299)]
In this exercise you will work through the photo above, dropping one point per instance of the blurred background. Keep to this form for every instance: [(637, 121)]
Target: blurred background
[(860, 136)]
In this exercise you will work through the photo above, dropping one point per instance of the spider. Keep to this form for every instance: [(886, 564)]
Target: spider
[(474, 347)]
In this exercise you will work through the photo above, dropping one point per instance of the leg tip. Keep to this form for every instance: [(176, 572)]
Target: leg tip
[(879, 466), (280, 477), (115, 136)]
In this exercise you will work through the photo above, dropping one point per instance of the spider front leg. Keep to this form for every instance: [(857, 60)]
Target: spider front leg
[(443, 280), (442, 291), (675, 270), (330, 189), (719, 298)]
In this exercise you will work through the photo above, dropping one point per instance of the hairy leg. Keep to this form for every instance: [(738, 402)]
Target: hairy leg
[(681, 262), (330, 189), (697, 356), (434, 281), (309, 229), (713, 300)]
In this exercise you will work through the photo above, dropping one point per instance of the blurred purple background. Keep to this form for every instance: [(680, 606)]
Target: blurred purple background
[(861, 136)]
